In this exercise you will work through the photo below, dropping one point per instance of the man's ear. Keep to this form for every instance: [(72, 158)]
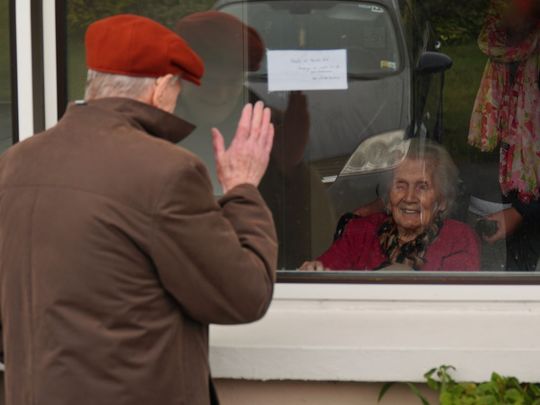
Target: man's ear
[(159, 95)]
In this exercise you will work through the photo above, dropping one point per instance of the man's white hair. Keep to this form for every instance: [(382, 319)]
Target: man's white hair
[(100, 85)]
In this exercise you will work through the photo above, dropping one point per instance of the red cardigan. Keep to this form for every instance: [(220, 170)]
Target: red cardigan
[(456, 248)]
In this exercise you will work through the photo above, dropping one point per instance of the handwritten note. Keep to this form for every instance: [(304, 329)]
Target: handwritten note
[(307, 70)]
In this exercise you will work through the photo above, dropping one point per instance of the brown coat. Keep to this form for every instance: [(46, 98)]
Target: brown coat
[(115, 257)]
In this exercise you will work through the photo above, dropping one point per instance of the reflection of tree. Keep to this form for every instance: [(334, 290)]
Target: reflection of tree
[(456, 21), (80, 13)]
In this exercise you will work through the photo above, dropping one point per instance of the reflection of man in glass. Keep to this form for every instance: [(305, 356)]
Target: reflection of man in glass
[(219, 39), (506, 114), (229, 48)]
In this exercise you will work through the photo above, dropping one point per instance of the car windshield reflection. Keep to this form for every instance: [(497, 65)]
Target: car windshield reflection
[(365, 30)]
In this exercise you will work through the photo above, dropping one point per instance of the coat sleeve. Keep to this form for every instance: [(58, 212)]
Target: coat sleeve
[(217, 260), (465, 252)]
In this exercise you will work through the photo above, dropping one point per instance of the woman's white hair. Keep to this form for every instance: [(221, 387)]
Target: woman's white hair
[(100, 85), (445, 172)]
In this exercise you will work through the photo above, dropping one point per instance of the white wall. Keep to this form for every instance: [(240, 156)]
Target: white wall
[(364, 332)]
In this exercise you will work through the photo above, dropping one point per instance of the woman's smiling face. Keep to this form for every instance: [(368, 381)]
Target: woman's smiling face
[(414, 199)]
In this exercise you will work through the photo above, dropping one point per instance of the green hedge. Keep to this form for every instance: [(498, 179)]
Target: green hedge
[(457, 21), (80, 13)]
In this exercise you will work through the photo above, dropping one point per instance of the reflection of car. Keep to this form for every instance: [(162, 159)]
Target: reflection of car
[(390, 69)]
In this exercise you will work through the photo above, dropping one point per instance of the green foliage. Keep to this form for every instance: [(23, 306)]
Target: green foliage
[(80, 13), (498, 390), (461, 85), (457, 21)]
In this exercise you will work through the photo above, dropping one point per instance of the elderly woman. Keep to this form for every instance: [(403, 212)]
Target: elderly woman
[(414, 232)]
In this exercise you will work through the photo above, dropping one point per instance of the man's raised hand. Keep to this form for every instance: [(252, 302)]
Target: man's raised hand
[(246, 160)]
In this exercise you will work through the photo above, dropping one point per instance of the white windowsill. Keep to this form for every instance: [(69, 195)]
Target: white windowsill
[(348, 332)]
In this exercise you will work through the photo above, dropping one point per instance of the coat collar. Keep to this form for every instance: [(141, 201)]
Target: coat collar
[(151, 120)]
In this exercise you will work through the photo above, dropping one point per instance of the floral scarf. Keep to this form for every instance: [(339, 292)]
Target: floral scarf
[(507, 111), (411, 253)]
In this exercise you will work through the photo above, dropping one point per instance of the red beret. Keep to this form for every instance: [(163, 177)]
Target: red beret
[(218, 36), (131, 45)]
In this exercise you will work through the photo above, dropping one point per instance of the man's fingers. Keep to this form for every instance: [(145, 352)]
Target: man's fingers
[(256, 120), (265, 124), (218, 143), (244, 125), (269, 139)]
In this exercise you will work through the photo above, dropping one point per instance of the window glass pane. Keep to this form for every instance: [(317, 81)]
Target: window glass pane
[(344, 177), (5, 78)]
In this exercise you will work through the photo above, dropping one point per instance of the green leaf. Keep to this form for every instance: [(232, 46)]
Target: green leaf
[(488, 388), (418, 394), (514, 396), (446, 398), (428, 374), (488, 400), (384, 390), (433, 384), (498, 390), (535, 389)]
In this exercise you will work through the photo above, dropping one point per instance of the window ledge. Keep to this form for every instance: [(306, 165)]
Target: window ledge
[(347, 332)]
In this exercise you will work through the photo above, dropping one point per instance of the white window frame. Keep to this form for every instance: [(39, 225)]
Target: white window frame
[(49, 63), (25, 99)]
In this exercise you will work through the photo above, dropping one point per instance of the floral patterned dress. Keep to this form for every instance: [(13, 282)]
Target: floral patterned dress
[(507, 112)]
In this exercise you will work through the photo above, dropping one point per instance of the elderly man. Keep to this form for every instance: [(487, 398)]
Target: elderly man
[(115, 255)]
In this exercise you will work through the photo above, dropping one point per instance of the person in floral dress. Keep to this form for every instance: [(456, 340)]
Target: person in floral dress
[(506, 115)]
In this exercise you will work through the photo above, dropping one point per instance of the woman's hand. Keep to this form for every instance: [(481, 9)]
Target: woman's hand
[(313, 265), (508, 221)]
